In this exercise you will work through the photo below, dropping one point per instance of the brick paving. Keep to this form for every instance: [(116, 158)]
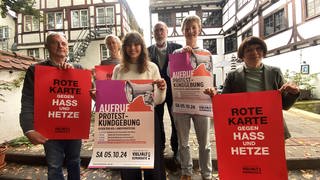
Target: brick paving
[(302, 152)]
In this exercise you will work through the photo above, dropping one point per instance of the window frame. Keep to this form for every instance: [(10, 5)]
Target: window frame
[(275, 24), (216, 14), (307, 10), (4, 32), (208, 46), (166, 17), (246, 34), (55, 25), (81, 22), (230, 41), (242, 3), (33, 52), (105, 18), (34, 23), (182, 15)]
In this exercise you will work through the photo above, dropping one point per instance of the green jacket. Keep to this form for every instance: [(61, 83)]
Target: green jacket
[(273, 80)]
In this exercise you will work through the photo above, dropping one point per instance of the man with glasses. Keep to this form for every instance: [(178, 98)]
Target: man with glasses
[(159, 54)]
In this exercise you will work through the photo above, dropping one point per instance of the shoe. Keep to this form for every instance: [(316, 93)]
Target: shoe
[(185, 177)]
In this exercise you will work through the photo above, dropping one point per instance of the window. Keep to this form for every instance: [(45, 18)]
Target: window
[(212, 18), (166, 17), (103, 52), (313, 8), (46, 53), (105, 16), (247, 33), (242, 3), (54, 20), (33, 53), (79, 18), (4, 32), (70, 54), (274, 23), (31, 23), (180, 16), (230, 43), (210, 45)]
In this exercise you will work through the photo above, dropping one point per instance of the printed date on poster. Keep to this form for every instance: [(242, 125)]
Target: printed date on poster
[(111, 154), (184, 106)]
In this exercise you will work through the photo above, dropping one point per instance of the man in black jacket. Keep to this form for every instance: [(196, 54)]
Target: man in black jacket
[(56, 151), (159, 54)]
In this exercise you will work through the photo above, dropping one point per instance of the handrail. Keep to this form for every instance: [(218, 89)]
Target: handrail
[(80, 39)]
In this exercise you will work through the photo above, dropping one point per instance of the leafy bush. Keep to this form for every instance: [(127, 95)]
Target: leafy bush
[(303, 81), (20, 141), (8, 86)]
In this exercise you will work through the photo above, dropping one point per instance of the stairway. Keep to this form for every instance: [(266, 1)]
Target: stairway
[(84, 39), (81, 45)]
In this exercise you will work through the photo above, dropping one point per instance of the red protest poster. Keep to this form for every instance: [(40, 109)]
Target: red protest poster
[(104, 72), (62, 104), (250, 136)]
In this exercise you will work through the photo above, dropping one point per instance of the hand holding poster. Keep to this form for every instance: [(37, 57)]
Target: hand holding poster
[(124, 114), (189, 78), (250, 136), (62, 102)]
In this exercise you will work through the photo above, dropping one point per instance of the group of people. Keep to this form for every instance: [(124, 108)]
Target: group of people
[(135, 61)]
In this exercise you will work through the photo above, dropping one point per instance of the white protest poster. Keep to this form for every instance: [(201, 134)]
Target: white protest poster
[(189, 77), (124, 125)]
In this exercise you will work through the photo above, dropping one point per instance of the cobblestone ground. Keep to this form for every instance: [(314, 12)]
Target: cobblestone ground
[(12, 171)]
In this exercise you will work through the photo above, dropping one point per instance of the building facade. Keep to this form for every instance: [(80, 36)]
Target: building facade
[(7, 32), (287, 26), (84, 22), (210, 11), (12, 71)]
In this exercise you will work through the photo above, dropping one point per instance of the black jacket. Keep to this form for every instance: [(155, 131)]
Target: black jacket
[(163, 72)]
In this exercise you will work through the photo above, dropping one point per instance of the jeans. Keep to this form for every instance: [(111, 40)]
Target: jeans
[(202, 129), (58, 151)]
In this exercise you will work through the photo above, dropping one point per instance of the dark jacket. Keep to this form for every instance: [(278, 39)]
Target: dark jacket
[(273, 80), (163, 72), (27, 99)]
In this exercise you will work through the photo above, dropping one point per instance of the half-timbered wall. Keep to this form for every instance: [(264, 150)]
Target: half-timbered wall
[(289, 28), (71, 17)]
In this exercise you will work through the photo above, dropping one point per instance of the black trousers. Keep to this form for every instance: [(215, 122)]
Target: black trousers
[(158, 173), (174, 138)]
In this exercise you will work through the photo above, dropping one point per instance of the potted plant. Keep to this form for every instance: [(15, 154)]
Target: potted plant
[(3, 150)]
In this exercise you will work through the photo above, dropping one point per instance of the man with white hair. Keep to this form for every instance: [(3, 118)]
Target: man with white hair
[(56, 151), (159, 54)]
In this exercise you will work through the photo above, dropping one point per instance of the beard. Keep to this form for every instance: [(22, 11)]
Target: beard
[(161, 43)]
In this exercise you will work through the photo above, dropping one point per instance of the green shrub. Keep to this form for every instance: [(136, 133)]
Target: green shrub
[(20, 141)]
